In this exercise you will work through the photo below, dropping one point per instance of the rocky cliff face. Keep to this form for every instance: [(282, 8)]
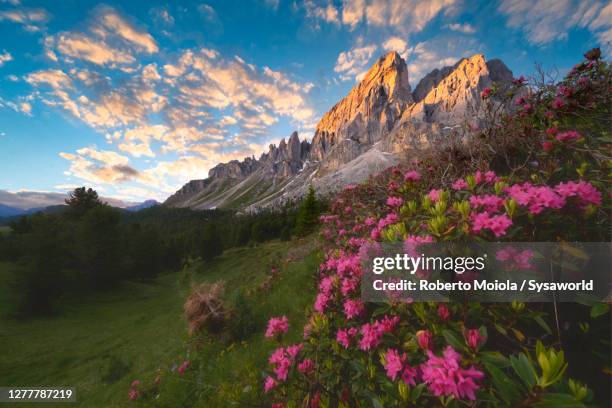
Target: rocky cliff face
[(378, 123)]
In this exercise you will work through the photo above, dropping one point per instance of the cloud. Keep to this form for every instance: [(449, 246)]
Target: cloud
[(544, 21), (112, 23), (32, 19), (328, 13), (464, 28), (404, 15), (5, 57), (110, 41), (437, 53), (100, 166), (396, 44), (354, 62)]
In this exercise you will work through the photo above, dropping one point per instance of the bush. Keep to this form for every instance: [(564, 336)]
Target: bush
[(204, 308)]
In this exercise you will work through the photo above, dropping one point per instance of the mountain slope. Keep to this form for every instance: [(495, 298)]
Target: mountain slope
[(379, 123)]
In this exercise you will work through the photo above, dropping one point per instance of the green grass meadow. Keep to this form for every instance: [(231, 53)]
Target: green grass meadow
[(99, 344)]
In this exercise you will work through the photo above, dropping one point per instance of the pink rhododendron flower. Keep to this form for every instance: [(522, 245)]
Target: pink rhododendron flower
[(460, 184), (394, 362), (370, 336), (306, 366), (269, 384), (278, 405), (473, 338), (394, 202), (443, 311), (424, 339), (568, 136), (445, 376), (552, 131), (344, 336), (135, 383), (321, 302), (498, 224), (294, 350), (133, 394), (434, 195), (547, 146), (490, 202), (583, 190), (277, 326), (412, 175), (353, 308), (485, 93), (536, 198), (183, 367), (558, 103)]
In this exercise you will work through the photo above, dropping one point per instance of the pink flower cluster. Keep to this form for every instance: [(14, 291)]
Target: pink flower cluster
[(281, 360), (371, 333), (277, 326), (445, 376), (518, 259), (395, 364), (412, 175), (497, 224)]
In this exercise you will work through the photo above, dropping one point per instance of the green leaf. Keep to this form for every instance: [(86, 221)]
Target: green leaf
[(543, 324), (524, 369), (453, 340), (599, 309), (558, 400), (503, 384)]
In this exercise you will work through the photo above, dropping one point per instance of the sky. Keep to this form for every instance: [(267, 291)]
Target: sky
[(135, 98)]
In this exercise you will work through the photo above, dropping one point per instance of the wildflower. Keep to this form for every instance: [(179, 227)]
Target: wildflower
[(183, 367), (394, 363), (569, 136), (434, 195), (444, 376), (394, 202), (490, 202), (269, 383), (557, 103), (424, 339), (344, 336), (294, 350), (498, 224), (412, 175), (552, 131), (306, 366), (473, 338), (278, 405), (321, 302), (519, 81), (547, 146), (315, 401), (485, 93), (370, 336), (353, 308), (443, 311), (277, 326), (460, 184), (133, 394), (135, 383), (583, 190)]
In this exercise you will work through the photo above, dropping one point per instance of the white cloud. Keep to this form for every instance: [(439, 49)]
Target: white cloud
[(32, 19), (465, 28), (354, 62), (5, 57), (544, 21), (403, 15), (328, 13), (396, 44)]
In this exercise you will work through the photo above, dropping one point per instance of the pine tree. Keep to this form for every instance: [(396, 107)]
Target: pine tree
[(308, 213)]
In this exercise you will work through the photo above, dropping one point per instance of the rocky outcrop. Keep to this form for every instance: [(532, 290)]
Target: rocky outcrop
[(369, 110), (379, 123)]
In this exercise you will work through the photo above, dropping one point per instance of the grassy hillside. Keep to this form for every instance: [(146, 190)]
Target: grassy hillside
[(100, 344)]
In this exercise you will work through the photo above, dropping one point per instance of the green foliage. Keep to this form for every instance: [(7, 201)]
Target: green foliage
[(308, 213), (81, 200)]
